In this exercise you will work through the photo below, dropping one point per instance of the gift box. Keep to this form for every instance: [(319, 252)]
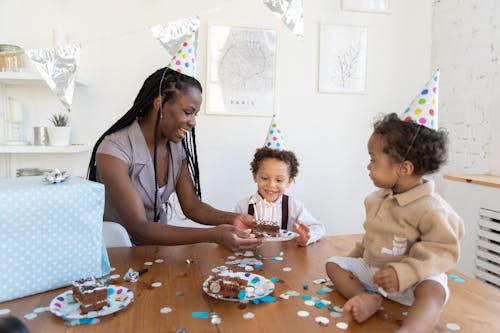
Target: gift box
[(50, 234)]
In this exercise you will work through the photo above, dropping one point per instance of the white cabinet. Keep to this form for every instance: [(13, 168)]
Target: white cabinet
[(468, 194), (18, 80)]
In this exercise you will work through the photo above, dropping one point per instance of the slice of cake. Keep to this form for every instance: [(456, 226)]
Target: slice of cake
[(262, 229), (226, 286), (91, 293)]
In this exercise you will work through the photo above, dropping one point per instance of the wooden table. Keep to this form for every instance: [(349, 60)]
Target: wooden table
[(473, 305)]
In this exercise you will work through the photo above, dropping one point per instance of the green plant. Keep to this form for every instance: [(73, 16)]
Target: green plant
[(59, 120)]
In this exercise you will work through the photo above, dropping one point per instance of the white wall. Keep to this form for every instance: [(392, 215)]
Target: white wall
[(327, 131)]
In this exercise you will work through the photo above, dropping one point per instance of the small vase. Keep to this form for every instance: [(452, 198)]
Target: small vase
[(59, 136)]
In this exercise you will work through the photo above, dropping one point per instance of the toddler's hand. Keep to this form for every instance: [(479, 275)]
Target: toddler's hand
[(387, 279), (303, 231)]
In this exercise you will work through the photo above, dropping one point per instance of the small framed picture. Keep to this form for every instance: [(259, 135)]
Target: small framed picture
[(342, 59), (369, 6), (241, 71)]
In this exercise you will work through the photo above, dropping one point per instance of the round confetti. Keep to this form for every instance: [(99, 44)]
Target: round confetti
[(112, 269), (115, 276), (41, 309), (248, 315), (338, 309), (156, 284), (405, 313), (309, 303), (453, 327), (165, 310), (303, 313), (323, 321), (342, 325), (287, 269), (216, 320), (335, 314), (4, 311), (148, 263), (231, 257), (158, 261), (30, 316)]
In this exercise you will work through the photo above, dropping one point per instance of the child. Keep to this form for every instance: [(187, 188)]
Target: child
[(274, 169), (411, 234)]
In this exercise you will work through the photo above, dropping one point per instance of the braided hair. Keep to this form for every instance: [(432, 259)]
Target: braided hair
[(167, 83)]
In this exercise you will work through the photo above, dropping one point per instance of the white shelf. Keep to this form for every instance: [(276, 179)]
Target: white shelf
[(25, 78), (31, 149)]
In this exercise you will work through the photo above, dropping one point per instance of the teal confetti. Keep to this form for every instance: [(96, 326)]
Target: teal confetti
[(200, 314), (274, 279), (306, 297)]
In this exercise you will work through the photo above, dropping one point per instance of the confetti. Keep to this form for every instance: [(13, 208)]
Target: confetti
[(115, 276), (216, 320), (284, 296), (188, 261), (158, 261), (305, 287), (292, 293), (82, 321), (287, 269), (181, 330), (4, 311), (165, 310), (156, 284), (248, 268), (179, 293), (274, 279), (342, 325), (453, 327), (249, 315), (335, 314), (323, 321), (306, 297), (248, 254), (405, 313), (41, 309), (309, 303), (200, 314), (231, 257), (303, 313), (319, 281), (148, 263), (337, 309), (112, 269), (318, 304), (30, 316)]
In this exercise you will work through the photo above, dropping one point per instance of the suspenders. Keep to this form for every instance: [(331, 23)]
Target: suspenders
[(284, 212)]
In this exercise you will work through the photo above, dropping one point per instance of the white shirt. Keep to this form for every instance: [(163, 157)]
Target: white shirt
[(296, 212)]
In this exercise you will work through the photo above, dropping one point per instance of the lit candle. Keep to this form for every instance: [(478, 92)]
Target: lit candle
[(15, 114)]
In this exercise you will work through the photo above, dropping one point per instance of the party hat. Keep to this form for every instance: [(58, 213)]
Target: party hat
[(180, 40), (424, 108), (274, 137)]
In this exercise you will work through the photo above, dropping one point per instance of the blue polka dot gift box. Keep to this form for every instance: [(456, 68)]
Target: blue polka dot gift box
[(50, 234)]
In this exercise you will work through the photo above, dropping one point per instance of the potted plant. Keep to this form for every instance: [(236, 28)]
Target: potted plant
[(59, 134)]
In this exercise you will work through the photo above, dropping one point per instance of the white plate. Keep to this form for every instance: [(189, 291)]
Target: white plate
[(261, 286), (66, 307), (285, 235)]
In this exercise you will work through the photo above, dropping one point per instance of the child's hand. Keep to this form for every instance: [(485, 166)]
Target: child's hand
[(303, 231), (387, 279)]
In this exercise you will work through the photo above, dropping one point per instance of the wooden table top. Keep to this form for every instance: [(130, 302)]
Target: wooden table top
[(473, 305)]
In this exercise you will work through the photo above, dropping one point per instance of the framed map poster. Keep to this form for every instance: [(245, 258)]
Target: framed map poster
[(241, 71), (342, 58)]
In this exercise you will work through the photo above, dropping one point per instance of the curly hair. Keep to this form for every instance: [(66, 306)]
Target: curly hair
[(406, 140), (286, 156)]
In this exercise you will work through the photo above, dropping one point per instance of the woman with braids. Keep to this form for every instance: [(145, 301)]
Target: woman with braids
[(148, 154)]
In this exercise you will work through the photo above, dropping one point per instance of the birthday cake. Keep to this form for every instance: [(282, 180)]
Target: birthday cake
[(226, 286), (264, 229), (91, 293)]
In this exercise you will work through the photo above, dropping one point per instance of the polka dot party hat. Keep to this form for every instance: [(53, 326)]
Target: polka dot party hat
[(274, 137), (180, 39), (424, 108)]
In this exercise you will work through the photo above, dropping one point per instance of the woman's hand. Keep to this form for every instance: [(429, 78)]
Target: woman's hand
[(235, 239), (387, 279), (303, 231), (243, 221)]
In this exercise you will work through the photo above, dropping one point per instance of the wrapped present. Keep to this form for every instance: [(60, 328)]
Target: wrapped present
[(50, 234)]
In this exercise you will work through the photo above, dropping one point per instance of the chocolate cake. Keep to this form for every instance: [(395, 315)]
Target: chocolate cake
[(263, 229), (226, 286), (91, 293)]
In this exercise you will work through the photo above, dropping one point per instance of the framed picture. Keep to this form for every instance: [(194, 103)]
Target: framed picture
[(371, 6), (241, 71), (342, 59)]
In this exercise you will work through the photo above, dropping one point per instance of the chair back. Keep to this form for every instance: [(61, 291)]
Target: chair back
[(115, 235)]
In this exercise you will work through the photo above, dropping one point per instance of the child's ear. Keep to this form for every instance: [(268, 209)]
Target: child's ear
[(407, 168), (254, 177)]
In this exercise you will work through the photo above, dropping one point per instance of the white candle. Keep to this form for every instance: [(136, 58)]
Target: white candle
[(15, 114)]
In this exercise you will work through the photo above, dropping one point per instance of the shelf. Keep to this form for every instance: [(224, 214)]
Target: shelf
[(31, 149), (479, 179), (26, 78)]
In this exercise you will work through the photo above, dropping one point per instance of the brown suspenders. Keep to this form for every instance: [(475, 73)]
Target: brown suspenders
[(284, 211)]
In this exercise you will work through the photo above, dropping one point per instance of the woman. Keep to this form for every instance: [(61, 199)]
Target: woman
[(151, 152)]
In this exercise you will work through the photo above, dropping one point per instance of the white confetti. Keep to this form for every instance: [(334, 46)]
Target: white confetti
[(309, 303), (284, 296), (303, 313), (278, 258), (282, 254), (115, 276), (335, 314), (287, 269), (231, 257), (338, 309), (30, 316), (248, 315), (165, 310), (156, 284), (319, 281), (323, 321), (248, 268), (248, 254), (342, 325), (216, 320), (41, 309), (148, 263), (405, 313), (158, 261), (4, 311), (112, 269), (453, 327)]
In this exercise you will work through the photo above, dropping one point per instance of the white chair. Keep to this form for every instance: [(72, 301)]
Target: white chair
[(115, 235)]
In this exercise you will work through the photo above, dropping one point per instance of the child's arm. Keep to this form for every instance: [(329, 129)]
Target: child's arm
[(437, 250)]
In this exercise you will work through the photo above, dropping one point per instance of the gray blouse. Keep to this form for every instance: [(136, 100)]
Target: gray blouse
[(129, 145)]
